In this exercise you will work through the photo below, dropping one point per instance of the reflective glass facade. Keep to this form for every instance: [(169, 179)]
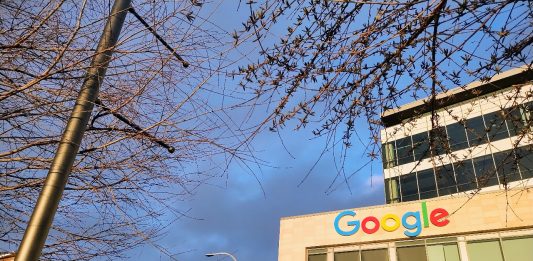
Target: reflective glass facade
[(484, 171), (463, 174)]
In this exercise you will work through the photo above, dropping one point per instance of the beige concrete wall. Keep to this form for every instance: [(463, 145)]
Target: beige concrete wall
[(484, 212)]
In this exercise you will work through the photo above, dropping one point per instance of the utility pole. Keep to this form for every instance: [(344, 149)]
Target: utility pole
[(37, 231)]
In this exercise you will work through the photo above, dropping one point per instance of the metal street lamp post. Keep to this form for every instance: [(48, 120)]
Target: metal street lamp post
[(43, 214), (39, 225)]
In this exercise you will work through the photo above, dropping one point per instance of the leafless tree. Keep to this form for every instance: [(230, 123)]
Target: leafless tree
[(125, 184), (337, 62), (342, 62)]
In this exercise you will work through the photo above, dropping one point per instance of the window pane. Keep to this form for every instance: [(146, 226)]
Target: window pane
[(451, 252), (496, 125), (528, 111), (507, 167), (518, 249), (392, 190), (446, 180), (375, 255), (388, 155), (408, 187), (515, 119), (317, 257), (426, 184), (484, 251), (404, 150), (421, 146), (475, 129), (485, 171), (464, 173), (457, 136), (438, 140), (413, 253), (436, 253), (443, 253), (347, 256), (525, 161)]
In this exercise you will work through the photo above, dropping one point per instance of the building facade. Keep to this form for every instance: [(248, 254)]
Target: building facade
[(482, 141), (458, 184)]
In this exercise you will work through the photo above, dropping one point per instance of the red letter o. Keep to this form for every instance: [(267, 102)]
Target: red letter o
[(370, 230)]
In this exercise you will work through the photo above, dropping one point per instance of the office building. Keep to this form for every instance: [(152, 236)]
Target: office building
[(458, 172)]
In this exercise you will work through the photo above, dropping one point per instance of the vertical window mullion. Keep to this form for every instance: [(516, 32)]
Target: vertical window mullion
[(506, 121), (436, 181), (412, 148), (417, 185), (400, 188), (396, 153), (426, 249), (485, 128), (501, 247)]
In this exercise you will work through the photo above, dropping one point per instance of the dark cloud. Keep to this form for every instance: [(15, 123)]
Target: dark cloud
[(240, 219)]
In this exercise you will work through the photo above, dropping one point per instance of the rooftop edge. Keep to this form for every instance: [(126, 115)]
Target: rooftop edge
[(459, 94)]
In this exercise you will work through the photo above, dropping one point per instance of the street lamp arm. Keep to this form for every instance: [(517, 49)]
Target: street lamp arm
[(221, 253)]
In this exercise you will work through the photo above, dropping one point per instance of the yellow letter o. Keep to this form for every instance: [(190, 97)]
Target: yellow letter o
[(387, 227)]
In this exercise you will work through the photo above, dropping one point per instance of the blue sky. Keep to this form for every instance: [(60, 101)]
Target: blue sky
[(240, 212)]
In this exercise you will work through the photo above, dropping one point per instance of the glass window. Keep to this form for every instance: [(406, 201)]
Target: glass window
[(446, 180), (392, 190), (516, 119), (421, 146), (409, 187), (518, 249), (448, 252), (525, 161), (438, 140), (475, 129), (317, 257), (375, 255), (317, 254), (347, 256), (457, 136), (495, 122), (507, 167), (485, 171), (404, 150), (484, 251), (426, 184), (412, 253), (528, 110), (464, 173), (388, 155)]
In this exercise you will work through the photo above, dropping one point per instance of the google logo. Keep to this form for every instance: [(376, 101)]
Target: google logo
[(390, 222)]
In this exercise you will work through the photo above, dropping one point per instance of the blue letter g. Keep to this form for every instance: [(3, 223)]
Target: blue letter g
[(355, 224)]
